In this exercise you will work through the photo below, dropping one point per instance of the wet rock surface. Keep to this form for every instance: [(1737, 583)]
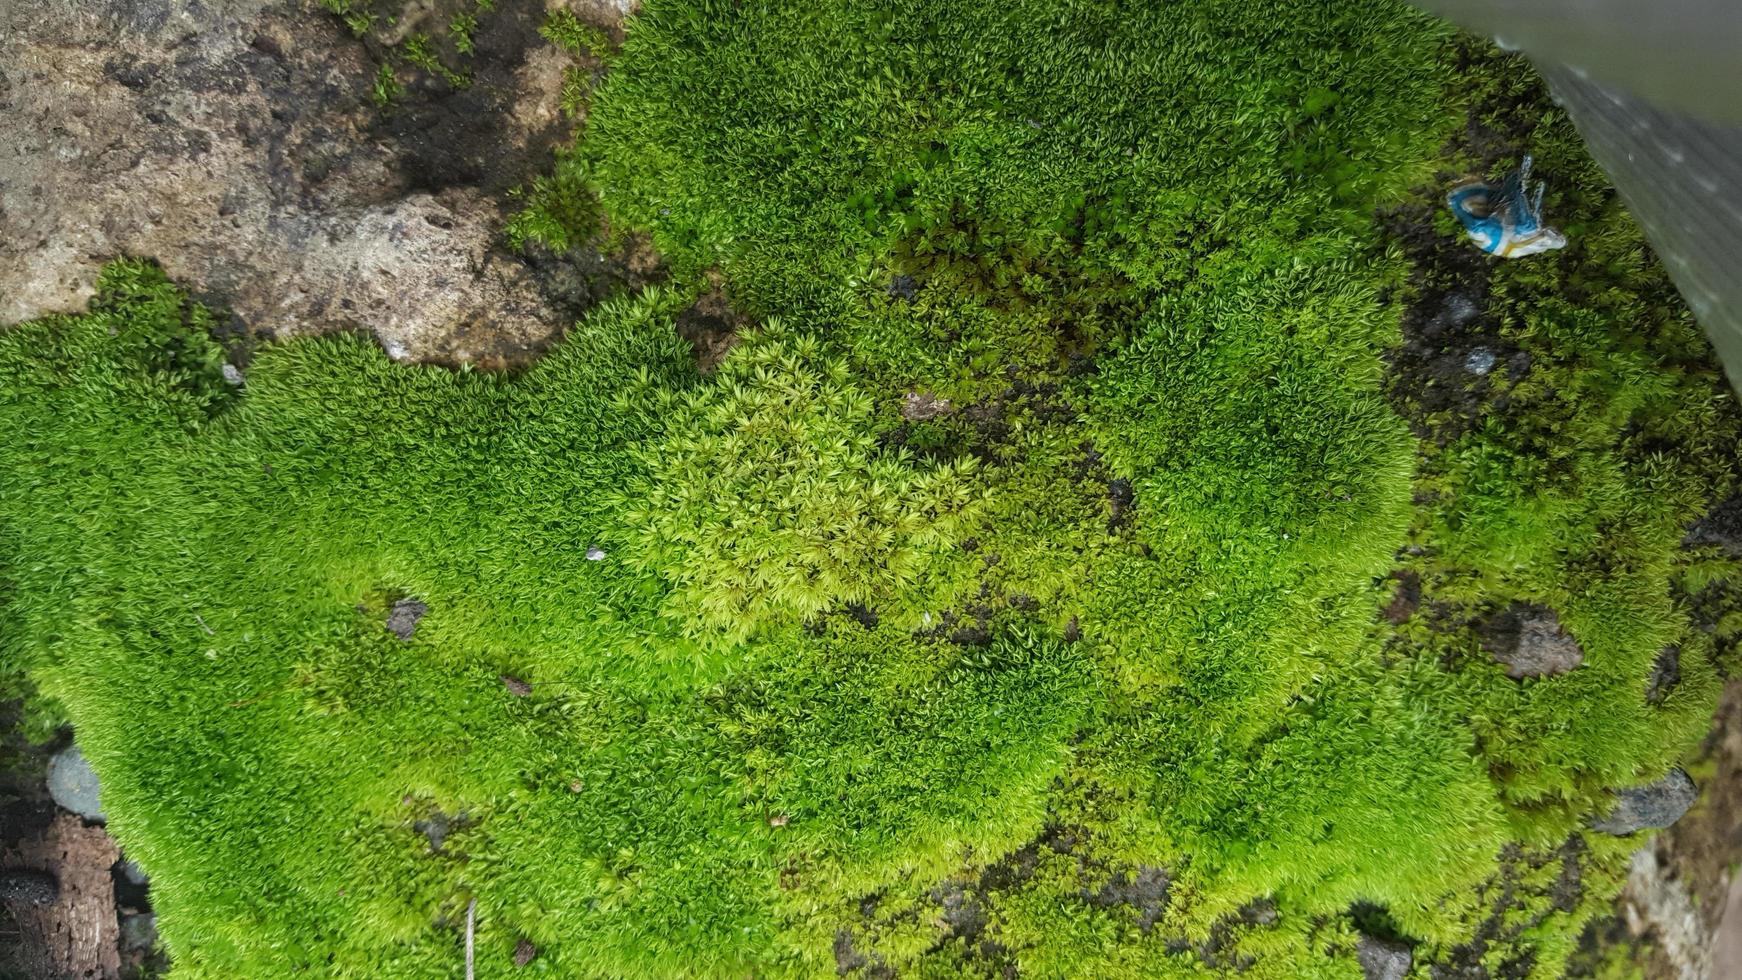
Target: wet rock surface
[(1651, 807), (237, 143)]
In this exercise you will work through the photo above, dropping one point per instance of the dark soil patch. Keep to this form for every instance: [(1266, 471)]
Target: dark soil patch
[(1406, 600), (1143, 889), (1504, 929), (1720, 528), (1666, 675), (711, 327), (1453, 366)]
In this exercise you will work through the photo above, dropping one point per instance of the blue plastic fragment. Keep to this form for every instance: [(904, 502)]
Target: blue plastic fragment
[(1505, 221)]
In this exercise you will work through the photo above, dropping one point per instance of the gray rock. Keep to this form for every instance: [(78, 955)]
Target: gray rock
[(138, 932), (237, 142), (1382, 959), (73, 785), (402, 620), (133, 873), (1531, 642), (1651, 807), (1480, 361)]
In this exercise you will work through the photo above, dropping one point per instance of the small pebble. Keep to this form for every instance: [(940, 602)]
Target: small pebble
[(595, 553), (778, 820), (516, 686), (402, 620), (232, 375), (1480, 361)]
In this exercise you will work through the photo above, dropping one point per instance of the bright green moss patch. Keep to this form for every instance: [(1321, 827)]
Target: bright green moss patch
[(1083, 569)]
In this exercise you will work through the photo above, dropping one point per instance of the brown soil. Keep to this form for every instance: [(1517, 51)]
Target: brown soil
[(711, 326), (79, 934)]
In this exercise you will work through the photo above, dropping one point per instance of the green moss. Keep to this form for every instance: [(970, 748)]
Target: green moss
[(1083, 674)]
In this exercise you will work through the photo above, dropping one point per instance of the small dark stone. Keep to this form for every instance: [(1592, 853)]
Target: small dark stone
[(74, 785), (1260, 912), (1666, 673), (1382, 959), (1651, 807), (129, 71), (402, 621), (516, 686), (904, 287), (863, 615), (1073, 632), (524, 952), (24, 887), (1531, 642)]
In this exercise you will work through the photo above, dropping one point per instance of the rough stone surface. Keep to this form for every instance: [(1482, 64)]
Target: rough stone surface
[(73, 785), (1382, 959), (1658, 904), (402, 620), (1651, 807), (1531, 642), (236, 142)]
